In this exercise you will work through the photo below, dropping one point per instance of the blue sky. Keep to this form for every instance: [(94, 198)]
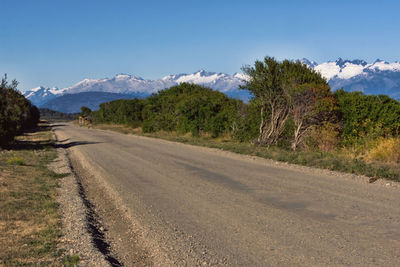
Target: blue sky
[(58, 43)]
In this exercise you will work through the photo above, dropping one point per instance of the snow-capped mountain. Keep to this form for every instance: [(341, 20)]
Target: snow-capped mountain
[(41, 95), (379, 77), (129, 84)]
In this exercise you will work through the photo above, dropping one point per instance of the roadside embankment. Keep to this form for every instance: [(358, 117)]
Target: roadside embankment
[(43, 217), (30, 225)]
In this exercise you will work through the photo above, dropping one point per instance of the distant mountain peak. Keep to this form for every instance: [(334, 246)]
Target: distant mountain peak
[(127, 77), (203, 73), (358, 62), (309, 63), (339, 60), (37, 88), (381, 61)]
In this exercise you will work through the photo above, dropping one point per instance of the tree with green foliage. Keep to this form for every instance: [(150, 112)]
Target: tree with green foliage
[(266, 85), (276, 87), (16, 112)]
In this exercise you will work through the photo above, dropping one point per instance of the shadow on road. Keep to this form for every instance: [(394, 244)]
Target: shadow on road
[(43, 127), (77, 143), (36, 145), (57, 125), (43, 144)]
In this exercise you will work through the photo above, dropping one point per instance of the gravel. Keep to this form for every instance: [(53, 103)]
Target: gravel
[(76, 239)]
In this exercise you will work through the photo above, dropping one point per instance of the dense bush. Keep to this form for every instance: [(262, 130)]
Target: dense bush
[(16, 112), (367, 117), (246, 126), (189, 108), (183, 108), (123, 111)]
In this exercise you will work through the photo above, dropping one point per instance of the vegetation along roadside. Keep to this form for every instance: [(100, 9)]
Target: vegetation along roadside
[(30, 223), (29, 213), (293, 116)]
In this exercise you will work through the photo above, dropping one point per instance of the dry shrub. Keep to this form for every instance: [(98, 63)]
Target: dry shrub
[(324, 137), (385, 150)]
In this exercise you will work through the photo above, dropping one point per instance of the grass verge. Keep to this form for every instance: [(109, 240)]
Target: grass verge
[(335, 161), (29, 214)]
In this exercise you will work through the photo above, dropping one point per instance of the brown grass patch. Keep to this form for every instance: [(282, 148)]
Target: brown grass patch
[(385, 150)]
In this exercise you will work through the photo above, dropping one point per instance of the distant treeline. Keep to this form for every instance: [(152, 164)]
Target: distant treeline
[(52, 115), (16, 112), (292, 106)]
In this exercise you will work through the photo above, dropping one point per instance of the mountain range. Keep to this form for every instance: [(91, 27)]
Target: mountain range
[(379, 77)]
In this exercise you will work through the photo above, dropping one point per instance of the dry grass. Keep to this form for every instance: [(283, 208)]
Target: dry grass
[(29, 214), (385, 150)]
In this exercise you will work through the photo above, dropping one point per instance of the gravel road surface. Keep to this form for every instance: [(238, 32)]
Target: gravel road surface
[(165, 203)]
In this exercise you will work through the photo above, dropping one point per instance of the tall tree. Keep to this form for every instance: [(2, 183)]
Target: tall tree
[(271, 83), (266, 85)]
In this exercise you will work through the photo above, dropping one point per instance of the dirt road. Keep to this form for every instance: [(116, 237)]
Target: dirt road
[(186, 205)]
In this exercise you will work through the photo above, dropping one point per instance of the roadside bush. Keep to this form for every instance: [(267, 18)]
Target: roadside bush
[(123, 111), (189, 108), (367, 117), (245, 127), (16, 112)]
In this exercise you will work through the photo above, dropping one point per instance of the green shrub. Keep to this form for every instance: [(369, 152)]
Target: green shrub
[(123, 111), (16, 112), (367, 117)]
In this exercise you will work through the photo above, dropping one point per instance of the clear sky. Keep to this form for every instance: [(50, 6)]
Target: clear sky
[(58, 43)]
